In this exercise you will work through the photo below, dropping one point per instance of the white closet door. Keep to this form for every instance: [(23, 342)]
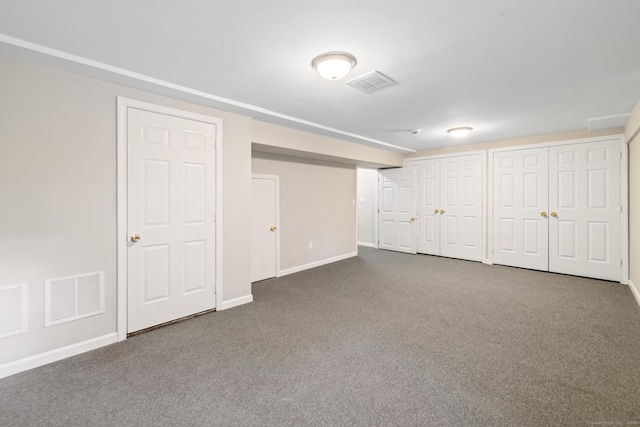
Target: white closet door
[(397, 205), (428, 207), (264, 230), (461, 207), (584, 197), (520, 197)]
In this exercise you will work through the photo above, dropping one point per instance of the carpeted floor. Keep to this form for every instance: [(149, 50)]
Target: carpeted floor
[(384, 339)]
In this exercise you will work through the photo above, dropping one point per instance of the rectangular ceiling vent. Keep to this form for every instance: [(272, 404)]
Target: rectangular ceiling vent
[(608, 122), (371, 82)]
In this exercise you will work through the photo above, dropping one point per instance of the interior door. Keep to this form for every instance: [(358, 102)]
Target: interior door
[(584, 198), (171, 218), (520, 208), (461, 201), (397, 206), (428, 210), (264, 227)]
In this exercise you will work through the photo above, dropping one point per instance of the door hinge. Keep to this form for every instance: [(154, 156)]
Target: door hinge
[(620, 208), (620, 263)]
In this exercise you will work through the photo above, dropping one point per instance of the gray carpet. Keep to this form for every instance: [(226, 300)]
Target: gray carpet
[(384, 339)]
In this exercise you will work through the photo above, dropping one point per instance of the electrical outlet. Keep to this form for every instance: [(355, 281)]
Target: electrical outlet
[(310, 245)]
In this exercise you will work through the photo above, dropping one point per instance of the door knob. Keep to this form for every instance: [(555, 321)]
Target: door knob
[(135, 238), (544, 214), (441, 211), (413, 218), (272, 228), (436, 211), (554, 214)]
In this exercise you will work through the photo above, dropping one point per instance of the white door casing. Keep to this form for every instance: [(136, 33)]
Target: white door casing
[(265, 227), (178, 219), (520, 208), (397, 206), (584, 199)]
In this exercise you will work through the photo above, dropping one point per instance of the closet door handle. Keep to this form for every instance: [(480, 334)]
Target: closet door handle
[(441, 211), (436, 211), (554, 214), (544, 214), (413, 218)]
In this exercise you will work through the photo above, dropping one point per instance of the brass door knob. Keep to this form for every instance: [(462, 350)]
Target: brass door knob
[(554, 214), (544, 214), (135, 238), (413, 218), (272, 228), (436, 211), (441, 211)]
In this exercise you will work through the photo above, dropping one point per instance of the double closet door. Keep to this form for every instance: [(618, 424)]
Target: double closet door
[(450, 206), (559, 209)]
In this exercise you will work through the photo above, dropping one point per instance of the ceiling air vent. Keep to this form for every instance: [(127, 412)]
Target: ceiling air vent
[(371, 82)]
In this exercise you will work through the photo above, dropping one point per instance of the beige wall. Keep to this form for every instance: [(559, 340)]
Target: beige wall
[(281, 140), (58, 193), (316, 205), (632, 134)]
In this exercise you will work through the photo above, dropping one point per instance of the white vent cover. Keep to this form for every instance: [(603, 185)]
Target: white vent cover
[(608, 122), (13, 310), (73, 297), (371, 82)]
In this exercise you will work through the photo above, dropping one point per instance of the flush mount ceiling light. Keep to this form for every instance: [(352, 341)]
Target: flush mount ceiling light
[(333, 65), (460, 132)]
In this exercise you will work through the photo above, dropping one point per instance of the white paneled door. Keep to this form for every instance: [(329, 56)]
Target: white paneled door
[(450, 206), (397, 206), (559, 209), (264, 227), (171, 218), (584, 199), (428, 212), (520, 208), (461, 201)]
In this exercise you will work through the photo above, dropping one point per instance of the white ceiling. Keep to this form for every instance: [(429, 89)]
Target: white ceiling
[(507, 68)]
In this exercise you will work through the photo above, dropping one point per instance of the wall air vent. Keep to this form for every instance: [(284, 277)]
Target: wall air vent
[(371, 82), (74, 297), (13, 310)]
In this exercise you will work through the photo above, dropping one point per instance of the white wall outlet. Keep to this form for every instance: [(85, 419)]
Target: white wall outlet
[(310, 245)]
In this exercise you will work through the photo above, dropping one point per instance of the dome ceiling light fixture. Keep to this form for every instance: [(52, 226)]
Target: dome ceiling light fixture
[(460, 132), (334, 65)]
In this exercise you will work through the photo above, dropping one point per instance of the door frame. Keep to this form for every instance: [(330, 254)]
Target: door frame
[(122, 238), (275, 178), (624, 192)]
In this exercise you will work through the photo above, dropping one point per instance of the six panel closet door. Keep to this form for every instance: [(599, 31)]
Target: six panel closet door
[(559, 209), (450, 206)]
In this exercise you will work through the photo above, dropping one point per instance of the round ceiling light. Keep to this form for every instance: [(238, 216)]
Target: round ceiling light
[(334, 65), (460, 132)]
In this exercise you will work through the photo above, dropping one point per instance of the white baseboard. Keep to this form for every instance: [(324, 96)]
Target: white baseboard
[(368, 245), (635, 291), (235, 302), (316, 264), (51, 356)]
